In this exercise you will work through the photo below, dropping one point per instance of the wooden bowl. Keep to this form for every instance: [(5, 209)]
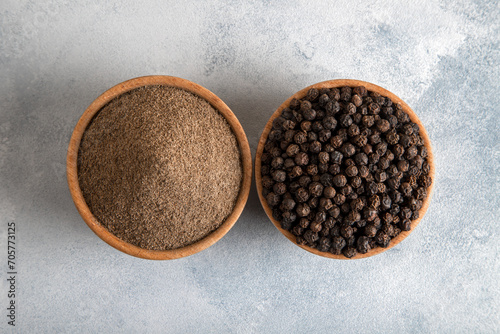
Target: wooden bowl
[(337, 84), (101, 231)]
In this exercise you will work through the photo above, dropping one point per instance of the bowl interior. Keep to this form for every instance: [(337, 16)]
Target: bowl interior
[(101, 231), (337, 84)]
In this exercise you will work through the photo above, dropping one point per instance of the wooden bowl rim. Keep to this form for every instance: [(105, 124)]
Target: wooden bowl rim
[(81, 205), (336, 84)]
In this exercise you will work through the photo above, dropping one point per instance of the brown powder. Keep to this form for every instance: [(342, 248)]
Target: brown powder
[(159, 167)]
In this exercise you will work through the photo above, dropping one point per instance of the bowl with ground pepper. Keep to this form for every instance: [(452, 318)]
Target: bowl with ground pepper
[(159, 167), (344, 169)]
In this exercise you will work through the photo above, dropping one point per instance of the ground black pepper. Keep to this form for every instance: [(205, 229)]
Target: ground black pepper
[(345, 170), (160, 168)]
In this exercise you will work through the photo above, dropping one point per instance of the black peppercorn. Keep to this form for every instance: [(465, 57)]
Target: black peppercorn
[(323, 99), (300, 137), (317, 126), (294, 104), (301, 159), (312, 136), (295, 172), (421, 193), (405, 140), (356, 182), (382, 239), (324, 135), (360, 90), (412, 180), (301, 195), (332, 107), (345, 120), (405, 225), (309, 114), (336, 141), (315, 189), (294, 186), (406, 189), (329, 192), (344, 209), (323, 157), (405, 213), (310, 236), (312, 94), (304, 180), (303, 222), (315, 147), (289, 163), (303, 210), (380, 176), (267, 181), (339, 180), (349, 252), (348, 149), (381, 188), (374, 108), (329, 123), (337, 244), (346, 231), (275, 135), (305, 105), (320, 217), (275, 152), (411, 152), (297, 230), (374, 138), (288, 136), (351, 171), (363, 244), (272, 199), (325, 179), (325, 204), (345, 93), (350, 108), (342, 133), (278, 122), (339, 199), (279, 188), (288, 204), (370, 230), (312, 170), (305, 126), (278, 175), (369, 213), (300, 241), (363, 171), (383, 125), (346, 191), (292, 150), (336, 157), (277, 163), (357, 100), (288, 125)]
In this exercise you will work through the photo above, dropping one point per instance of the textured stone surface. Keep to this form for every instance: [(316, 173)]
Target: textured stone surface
[(441, 57)]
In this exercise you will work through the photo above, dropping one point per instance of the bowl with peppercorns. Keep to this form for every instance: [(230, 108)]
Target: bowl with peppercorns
[(344, 169)]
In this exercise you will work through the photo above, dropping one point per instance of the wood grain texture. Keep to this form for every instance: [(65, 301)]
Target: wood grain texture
[(335, 84), (101, 231)]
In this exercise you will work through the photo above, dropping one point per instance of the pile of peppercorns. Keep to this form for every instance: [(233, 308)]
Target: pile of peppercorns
[(344, 170)]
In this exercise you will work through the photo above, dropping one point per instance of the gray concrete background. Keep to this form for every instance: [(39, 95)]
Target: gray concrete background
[(441, 57)]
